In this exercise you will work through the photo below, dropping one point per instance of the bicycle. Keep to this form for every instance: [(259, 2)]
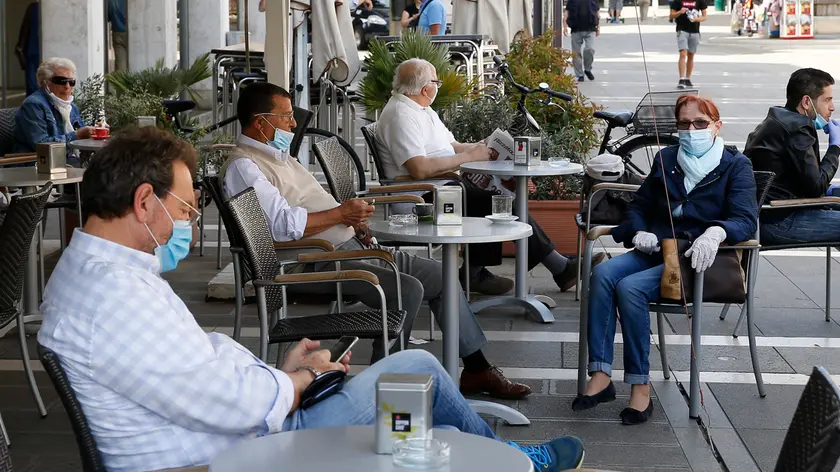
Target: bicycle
[(651, 125)]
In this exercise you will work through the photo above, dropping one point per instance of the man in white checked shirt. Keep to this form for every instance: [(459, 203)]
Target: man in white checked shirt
[(159, 392)]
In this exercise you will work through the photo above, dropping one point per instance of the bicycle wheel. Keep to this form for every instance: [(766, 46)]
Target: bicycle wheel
[(638, 152)]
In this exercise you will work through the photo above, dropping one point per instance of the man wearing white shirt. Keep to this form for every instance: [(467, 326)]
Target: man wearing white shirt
[(296, 206), (157, 391)]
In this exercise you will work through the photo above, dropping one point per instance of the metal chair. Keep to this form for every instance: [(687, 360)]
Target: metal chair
[(5, 457), (812, 442), (16, 234), (750, 248), (302, 119), (269, 280), (91, 458), (7, 130)]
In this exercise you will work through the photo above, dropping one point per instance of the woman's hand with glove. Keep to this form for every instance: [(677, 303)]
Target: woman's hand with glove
[(704, 249), (646, 242)]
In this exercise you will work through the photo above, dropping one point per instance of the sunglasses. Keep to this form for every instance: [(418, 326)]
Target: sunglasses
[(58, 80), (698, 124)]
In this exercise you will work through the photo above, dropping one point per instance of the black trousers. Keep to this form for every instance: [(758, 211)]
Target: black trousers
[(479, 205)]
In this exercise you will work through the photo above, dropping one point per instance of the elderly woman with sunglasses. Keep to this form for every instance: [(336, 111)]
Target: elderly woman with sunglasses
[(710, 199), (49, 115)]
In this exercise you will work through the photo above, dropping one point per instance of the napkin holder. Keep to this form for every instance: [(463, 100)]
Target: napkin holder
[(52, 159), (527, 150), (449, 205)]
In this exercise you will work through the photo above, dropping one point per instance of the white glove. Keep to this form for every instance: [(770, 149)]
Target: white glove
[(705, 248), (646, 242)]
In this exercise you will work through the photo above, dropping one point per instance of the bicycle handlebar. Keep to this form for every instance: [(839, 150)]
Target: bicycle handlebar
[(503, 68)]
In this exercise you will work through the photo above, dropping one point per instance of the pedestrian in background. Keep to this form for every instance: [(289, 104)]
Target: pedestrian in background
[(687, 14), (119, 33), (644, 5), (582, 17)]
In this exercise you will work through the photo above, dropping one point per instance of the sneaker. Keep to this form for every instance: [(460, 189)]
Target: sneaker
[(681, 84), (688, 83), (488, 283), (568, 278), (553, 456), (581, 79), (589, 75)]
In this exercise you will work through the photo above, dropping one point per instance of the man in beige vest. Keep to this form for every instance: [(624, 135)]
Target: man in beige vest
[(297, 207)]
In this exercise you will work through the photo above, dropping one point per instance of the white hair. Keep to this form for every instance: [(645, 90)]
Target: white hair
[(412, 75), (47, 69)]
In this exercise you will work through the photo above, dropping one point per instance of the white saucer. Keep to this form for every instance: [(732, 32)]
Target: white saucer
[(502, 219)]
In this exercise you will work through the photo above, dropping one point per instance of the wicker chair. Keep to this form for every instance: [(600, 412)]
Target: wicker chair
[(269, 281), (302, 119), (750, 248), (812, 443), (91, 459), (5, 458), (16, 238)]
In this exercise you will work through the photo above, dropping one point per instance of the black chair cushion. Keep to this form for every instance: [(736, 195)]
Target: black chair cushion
[(365, 324)]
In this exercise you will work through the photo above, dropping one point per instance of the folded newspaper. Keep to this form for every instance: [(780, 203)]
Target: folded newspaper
[(501, 147)]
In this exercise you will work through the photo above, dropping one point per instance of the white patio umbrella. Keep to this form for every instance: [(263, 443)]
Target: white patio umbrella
[(520, 18), (488, 17), (333, 41)]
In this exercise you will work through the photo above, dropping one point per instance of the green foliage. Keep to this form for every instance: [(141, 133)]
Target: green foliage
[(476, 119), (162, 81), (569, 129), (90, 99), (123, 110), (381, 64)]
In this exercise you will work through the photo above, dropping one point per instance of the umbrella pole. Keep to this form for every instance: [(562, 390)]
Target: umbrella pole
[(247, 41)]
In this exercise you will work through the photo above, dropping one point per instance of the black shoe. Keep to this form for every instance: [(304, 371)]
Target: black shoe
[(589, 75), (585, 402), (688, 83), (681, 84), (567, 279), (488, 283), (581, 79), (631, 416)]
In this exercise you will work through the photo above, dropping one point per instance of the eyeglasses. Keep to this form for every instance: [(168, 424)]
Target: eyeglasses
[(698, 124), (59, 80), (288, 116), (195, 215), (437, 82)]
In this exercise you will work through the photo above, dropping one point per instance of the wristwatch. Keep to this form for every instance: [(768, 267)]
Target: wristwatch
[(314, 371)]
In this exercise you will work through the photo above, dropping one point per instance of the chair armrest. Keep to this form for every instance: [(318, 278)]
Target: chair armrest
[(598, 231), (446, 176), (617, 187), (20, 158), (345, 256), (804, 202), (389, 199), (418, 187), (220, 147), (749, 245), (324, 277), (307, 243)]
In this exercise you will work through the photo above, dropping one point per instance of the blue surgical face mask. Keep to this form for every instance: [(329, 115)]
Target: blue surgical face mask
[(697, 142), (178, 246), (819, 121), (282, 139)]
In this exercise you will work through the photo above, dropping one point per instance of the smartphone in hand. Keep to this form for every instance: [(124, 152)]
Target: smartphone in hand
[(342, 347)]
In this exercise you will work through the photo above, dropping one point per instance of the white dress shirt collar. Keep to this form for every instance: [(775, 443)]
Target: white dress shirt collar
[(262, 147), (408, 101), (114, 252)]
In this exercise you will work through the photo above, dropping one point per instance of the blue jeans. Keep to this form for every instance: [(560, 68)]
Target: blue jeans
[(629, 283), (802, 226), (355, 404)]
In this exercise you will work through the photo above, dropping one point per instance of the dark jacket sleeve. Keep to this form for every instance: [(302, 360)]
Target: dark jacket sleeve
[(741, 215), (814, 174), (636, 218)]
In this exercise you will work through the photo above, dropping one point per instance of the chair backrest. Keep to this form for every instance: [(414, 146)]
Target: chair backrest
[(763, 181), (91, 459), (342, 167), (5, 457), (254, 235), (812, 442), (213, 185), (15, 238), (7, 130), (369, 132), (302, 119)]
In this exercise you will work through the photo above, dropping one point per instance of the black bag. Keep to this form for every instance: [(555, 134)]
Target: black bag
[(609, 208), (723, 282)]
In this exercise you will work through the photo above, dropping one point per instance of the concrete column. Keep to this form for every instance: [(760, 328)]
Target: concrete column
[(74, 29), (208, 21), (278, 42), (152, 33), (257, 20)]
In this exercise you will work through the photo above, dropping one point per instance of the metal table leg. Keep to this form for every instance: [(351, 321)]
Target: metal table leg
[(450, 328), (522, 296)]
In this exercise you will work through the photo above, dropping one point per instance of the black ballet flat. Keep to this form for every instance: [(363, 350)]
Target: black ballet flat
[(585, 402), (631, 416)]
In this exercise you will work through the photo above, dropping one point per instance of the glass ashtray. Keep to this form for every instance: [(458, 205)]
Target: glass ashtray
[(403, 220), (559, 162), (421, 453)]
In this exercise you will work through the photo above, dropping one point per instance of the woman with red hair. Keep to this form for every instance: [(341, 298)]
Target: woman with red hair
[(710, 199)]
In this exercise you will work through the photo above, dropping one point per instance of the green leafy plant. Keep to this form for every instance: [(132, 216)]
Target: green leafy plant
[(474, 120), (381, 64), (123, 110), (90, 99), (160, 80)]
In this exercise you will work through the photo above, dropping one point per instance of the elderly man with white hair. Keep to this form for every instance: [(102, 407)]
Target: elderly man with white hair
[(49, 115), (413, 141)]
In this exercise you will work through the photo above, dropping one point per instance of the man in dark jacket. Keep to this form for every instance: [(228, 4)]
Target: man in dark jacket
[(582, 16), (786, 143)]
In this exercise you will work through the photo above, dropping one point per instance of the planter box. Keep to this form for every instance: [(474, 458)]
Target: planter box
[(557, 219)]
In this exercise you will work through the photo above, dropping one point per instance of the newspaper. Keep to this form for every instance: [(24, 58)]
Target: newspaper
[(501, 149)]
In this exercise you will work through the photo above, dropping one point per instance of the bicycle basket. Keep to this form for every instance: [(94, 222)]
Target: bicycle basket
[(655, 113)]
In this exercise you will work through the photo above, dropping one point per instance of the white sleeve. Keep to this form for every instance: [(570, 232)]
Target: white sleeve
[(287, 223)]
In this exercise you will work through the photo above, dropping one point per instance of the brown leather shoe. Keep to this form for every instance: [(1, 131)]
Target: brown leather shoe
[(494, 383)]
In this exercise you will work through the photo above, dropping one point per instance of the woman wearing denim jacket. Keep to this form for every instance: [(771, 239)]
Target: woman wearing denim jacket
[(712, 194)]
